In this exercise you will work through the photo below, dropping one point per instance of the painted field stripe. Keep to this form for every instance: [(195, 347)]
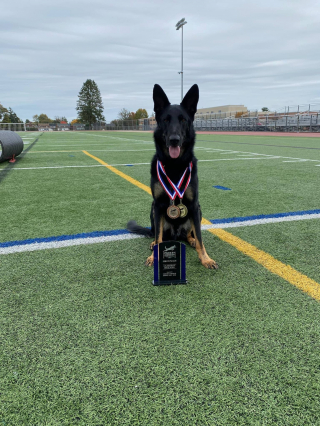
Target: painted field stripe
[(95, 150), (284, 271), (223, 188), (101, 236), (221, 225), (123, 175), (66, 243), (266, 216)]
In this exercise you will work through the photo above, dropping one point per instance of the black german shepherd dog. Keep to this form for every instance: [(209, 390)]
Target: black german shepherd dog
[(174, 141)]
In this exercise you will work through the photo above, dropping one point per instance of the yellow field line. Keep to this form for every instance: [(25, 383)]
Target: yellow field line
[(123, 175), (284, 271), (273, 265)]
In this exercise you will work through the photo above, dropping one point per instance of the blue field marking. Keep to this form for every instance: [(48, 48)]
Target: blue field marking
[(94, 234), (264, 216), (60, 241), (224, 188), (129, 165)]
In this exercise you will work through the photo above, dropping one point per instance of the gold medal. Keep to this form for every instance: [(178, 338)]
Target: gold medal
[(173, 211), (183, 209)]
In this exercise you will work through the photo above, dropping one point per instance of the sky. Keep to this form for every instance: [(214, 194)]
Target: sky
[(252, 53)]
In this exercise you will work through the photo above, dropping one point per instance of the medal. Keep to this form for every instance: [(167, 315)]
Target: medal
[(183, 209), (180, 210), (173, 211)]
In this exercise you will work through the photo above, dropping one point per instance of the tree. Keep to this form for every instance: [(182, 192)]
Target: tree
[(6, 118), (3, 110), (89, 105), (141, 113), (13, 116), (265, 109), (58, 119), (124, 114), (42, 118), (75, 121)]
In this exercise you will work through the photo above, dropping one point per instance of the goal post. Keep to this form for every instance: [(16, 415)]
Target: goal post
[(15, 127)]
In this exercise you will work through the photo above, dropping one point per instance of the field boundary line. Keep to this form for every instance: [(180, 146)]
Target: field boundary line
[(273, 265)]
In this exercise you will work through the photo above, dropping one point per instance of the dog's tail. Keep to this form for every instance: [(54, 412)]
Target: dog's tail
[(133, 227)]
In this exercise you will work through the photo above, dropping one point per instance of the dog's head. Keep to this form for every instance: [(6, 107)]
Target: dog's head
[(175, 122)]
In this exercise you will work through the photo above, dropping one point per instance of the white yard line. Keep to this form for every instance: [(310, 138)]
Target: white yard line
[(74, 167), (93, 144), (93, 150), (94, 240)]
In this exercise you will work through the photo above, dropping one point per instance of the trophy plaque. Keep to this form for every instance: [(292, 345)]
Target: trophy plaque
[(169, 263)]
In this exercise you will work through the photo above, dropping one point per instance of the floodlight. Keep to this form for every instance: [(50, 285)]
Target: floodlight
[(180, 22)]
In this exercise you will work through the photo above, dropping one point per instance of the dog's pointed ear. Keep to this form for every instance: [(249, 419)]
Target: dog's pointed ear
[(190, 101), (160, 99)]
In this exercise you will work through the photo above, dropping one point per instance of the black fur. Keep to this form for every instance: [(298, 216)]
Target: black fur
[(174, 129)]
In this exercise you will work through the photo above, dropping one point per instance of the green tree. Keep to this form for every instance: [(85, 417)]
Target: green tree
[(6, 118), (140, 113), (3, 110), (58, 119), (13, 117), (89, 105), (42, 118), (265, 109)]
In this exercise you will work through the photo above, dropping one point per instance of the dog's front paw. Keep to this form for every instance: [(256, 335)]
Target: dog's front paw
[(149, 261), (209, 263)]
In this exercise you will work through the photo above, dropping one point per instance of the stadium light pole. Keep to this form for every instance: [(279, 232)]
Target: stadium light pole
[(179, 25)]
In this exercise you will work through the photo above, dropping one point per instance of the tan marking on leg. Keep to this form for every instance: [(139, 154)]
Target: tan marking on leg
[(191, 240), (206, 261), (152, 245), (150, 260)]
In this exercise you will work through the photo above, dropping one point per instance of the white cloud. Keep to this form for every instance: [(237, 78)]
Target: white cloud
[(257, 53)]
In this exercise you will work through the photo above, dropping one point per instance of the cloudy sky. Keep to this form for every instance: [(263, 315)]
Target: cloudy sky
[(256, 53)]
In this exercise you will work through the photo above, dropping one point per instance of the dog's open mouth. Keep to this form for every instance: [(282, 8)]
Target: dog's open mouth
[(174, 151)]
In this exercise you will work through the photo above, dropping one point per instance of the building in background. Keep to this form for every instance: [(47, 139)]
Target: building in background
[(223, 111)]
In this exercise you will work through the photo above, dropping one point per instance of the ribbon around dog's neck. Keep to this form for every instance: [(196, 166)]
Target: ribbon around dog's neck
[(176, 188)]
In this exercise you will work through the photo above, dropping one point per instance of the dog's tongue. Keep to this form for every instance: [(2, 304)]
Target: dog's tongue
[(174, 152)]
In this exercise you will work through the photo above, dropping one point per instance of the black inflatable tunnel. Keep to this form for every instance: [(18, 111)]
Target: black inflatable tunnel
[(11, 145)]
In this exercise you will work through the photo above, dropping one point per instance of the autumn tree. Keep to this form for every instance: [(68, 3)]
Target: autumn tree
[(89, 105), (140, 113)]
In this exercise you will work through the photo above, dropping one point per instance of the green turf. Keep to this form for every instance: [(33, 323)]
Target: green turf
[(87, 340)]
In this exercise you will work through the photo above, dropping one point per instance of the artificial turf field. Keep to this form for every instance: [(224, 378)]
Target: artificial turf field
[(86, 339)]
